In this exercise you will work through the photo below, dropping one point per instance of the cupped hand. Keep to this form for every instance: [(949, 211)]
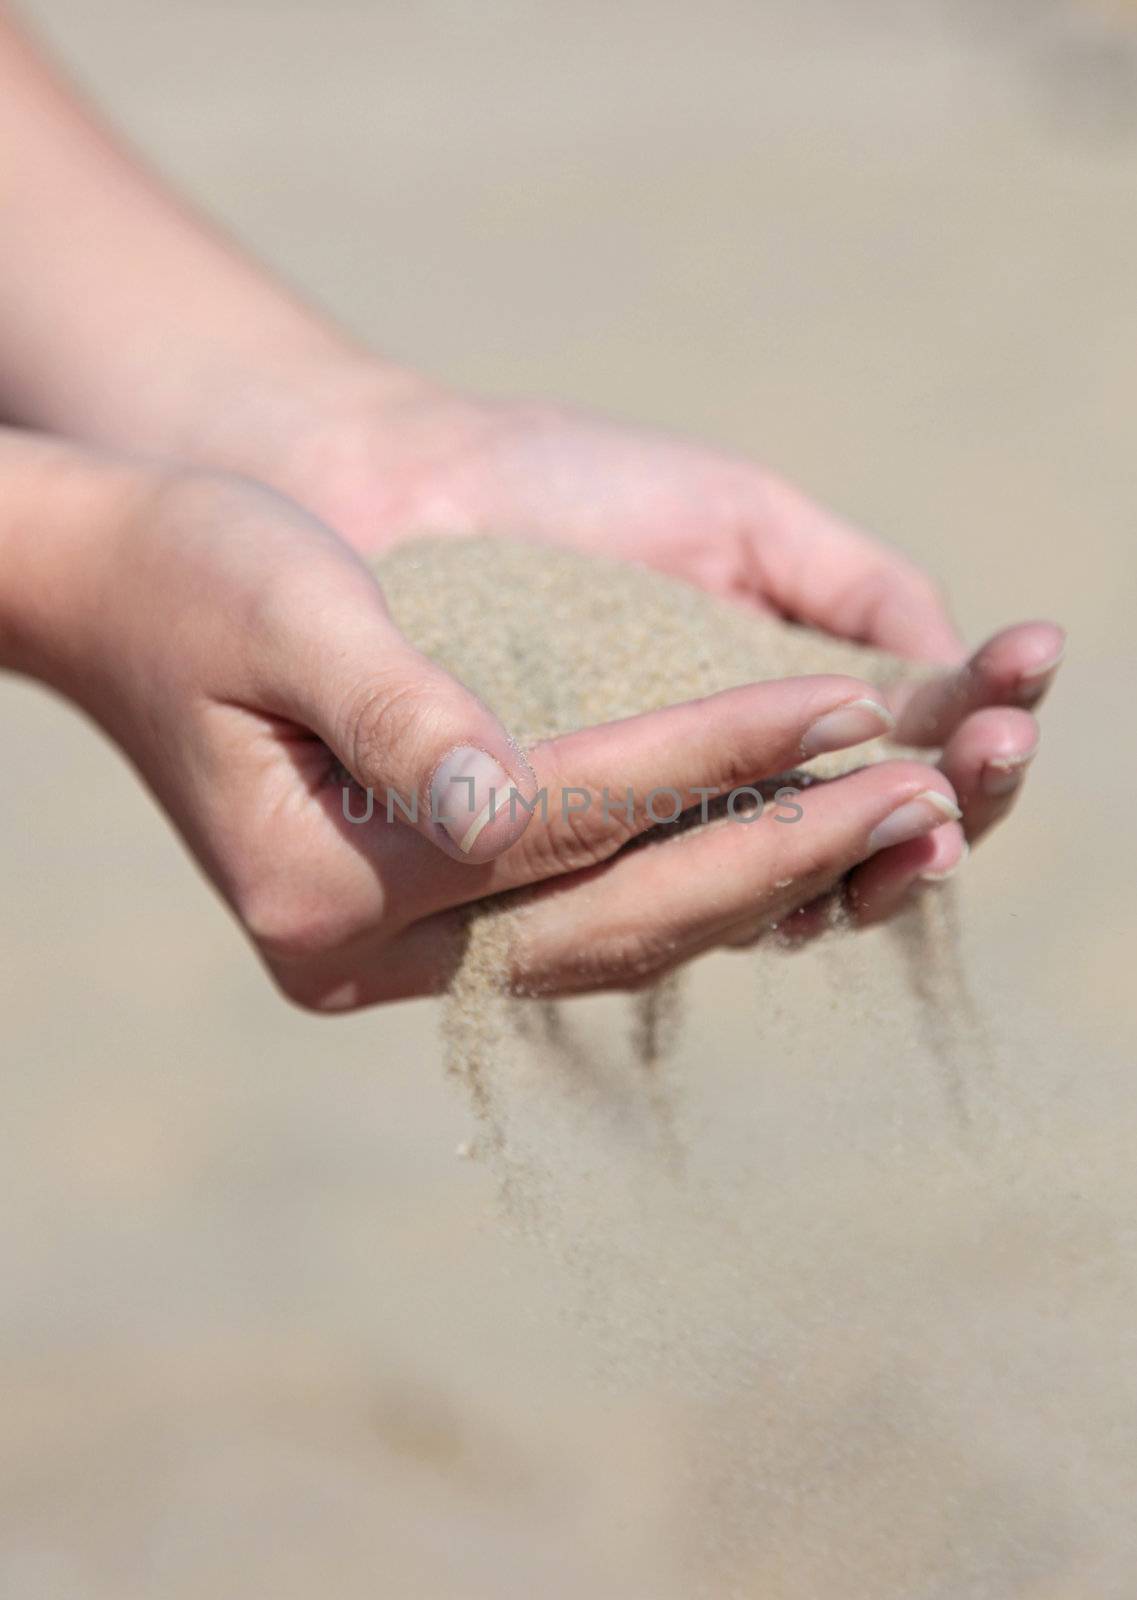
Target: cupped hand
[(382, 457), (244, 659)]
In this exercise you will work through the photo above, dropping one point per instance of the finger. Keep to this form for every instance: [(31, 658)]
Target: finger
[(424, 960), (595, 789), (821, 571), (986, 760), (650, 909), (624, 923), (872, 892), (430, 752), (609, 783), (1014, 667), (879, 888)]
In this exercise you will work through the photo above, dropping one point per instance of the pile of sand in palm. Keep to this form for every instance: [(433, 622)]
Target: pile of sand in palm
[(554, 641)]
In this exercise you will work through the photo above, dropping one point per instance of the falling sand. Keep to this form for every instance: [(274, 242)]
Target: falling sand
[(808, 1227), (555, 641)]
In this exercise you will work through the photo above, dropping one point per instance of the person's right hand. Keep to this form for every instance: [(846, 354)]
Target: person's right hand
[(243, 658)]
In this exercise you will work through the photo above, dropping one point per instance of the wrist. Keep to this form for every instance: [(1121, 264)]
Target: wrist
[(61, 508), (347, 435), (246, 409)]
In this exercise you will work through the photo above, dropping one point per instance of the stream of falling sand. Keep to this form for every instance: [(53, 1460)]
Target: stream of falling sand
[(810, 1225), (554, 641)]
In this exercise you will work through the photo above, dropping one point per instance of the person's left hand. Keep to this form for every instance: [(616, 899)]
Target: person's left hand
[(382, 459)]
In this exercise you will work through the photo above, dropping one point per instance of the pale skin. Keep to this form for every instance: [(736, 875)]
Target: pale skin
[(195, 467)]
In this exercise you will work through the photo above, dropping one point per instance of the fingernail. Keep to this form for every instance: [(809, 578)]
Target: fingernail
[(468, 791), (1033, 684), (944, 873), (1003, 774), (849, 724), (928, 810), (1046, 668)]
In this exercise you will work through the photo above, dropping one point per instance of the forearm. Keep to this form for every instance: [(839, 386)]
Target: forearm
[(60, 507), (124, 317)]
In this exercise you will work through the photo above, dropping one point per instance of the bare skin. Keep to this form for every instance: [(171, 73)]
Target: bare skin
[(226, 633), (381, 456)]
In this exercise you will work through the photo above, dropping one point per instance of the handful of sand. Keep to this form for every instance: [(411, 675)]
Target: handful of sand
[(554, 641)]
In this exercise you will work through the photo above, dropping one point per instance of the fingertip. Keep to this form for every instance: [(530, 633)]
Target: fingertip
[(879, 888), (1048, 646), (948, 849), (853, 722), (931, 780), (1002, 777), (1022, 649), (479, 808)]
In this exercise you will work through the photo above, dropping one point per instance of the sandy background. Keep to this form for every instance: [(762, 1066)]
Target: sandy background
[(260, 1334)]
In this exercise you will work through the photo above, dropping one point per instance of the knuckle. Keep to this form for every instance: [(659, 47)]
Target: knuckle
[(581, 831), (386, 716), (813, 854), (581, 836), (289, 927), (735, 767), (553, 851)]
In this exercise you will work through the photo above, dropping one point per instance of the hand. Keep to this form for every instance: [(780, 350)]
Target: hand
[(241, 655), (381, 455), (223, 368)]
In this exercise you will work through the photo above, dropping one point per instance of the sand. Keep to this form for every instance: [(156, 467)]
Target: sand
[(553, 641), (599, 1163)]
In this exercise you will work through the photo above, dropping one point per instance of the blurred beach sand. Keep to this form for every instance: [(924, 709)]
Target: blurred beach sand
[(260, 1331)]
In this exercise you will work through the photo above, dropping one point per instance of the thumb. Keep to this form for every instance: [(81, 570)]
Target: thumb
[(432, 755)]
